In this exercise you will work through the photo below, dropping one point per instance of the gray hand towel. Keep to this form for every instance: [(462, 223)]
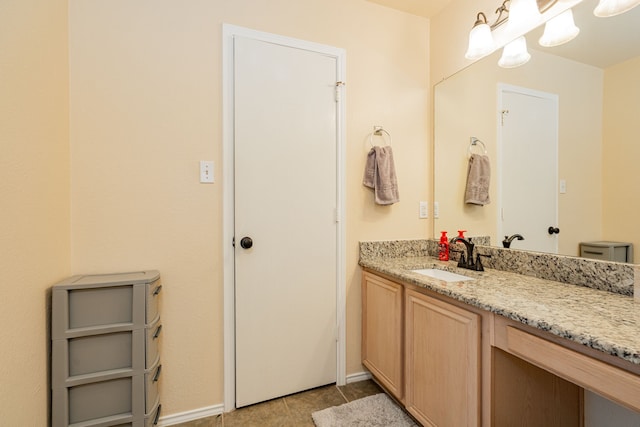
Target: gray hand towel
[(478, 177), (380, 174)]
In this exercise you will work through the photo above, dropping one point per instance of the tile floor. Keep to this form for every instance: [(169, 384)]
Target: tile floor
[(290, 411)]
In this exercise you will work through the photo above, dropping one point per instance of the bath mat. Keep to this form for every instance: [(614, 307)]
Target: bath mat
[(372, 411)]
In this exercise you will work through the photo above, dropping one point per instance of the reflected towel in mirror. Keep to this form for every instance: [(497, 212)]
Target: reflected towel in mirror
[(380, 175), (478, 177)]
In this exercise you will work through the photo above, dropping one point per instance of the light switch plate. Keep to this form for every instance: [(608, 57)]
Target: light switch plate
[(424, 210)]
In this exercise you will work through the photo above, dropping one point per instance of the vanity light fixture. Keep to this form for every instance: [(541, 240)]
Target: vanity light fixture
[(481, 41), (523, 13), (515, 54), (559, 30), (519, 14), (606, 8)]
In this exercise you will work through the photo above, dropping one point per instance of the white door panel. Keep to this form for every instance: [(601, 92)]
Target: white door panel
[(529, 168), (285, 200)]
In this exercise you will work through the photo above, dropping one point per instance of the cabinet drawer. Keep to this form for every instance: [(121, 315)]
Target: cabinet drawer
[(153, 301), (92, 303), (111, 402), (152, 389), (152, 345), (96, 355), (605, 253)]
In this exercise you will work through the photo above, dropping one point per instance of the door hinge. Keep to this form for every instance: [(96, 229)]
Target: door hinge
[(338, 85)]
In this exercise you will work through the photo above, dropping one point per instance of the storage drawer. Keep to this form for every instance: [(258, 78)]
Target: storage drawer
[(89, 303), (607, 251), (152, 388), (111, 402), (153, 301), (95, 355), (152, 346)]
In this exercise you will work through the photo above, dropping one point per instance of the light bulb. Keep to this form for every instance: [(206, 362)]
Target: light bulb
[(523, 14)]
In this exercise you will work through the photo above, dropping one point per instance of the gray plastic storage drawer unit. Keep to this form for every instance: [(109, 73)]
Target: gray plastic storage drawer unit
[(105, 365), (607, 251)]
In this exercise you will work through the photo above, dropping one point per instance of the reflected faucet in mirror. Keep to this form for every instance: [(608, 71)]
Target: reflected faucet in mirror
[(506, 243)]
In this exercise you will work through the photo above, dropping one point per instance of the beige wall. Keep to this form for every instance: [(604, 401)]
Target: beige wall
[(467, 106), (449, 36), (34, 189), (621, 153), (146, 107)]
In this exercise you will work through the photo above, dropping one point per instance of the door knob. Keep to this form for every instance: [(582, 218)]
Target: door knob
[(246, 242), (554, 230)]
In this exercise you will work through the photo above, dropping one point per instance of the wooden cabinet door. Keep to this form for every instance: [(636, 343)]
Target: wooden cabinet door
[(442, 362), (382, 323)]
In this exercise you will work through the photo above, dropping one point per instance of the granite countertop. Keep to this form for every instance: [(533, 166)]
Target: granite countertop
[(602, 320)]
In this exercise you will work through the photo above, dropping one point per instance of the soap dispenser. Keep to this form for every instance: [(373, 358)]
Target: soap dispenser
[(443, 252)]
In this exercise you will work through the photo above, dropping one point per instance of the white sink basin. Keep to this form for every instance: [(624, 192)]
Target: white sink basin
[(447, 276)]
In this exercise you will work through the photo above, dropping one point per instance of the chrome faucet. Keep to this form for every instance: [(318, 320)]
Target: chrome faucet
[(508, 239)]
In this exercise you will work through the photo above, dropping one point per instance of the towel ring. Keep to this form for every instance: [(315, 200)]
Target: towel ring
[(378, 131), (474, 143)]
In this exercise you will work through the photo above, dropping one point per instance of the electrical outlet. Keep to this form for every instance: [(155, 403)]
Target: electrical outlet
[(206, 171), (436, 210)]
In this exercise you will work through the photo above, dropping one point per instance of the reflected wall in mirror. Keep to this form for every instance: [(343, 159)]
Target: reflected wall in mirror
[(598, 92)]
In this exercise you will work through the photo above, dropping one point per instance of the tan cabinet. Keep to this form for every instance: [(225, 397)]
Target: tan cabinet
[(382, 330), (453, 365), (442, 369)]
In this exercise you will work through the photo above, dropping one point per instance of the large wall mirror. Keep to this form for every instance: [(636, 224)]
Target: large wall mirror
[(580, 134)]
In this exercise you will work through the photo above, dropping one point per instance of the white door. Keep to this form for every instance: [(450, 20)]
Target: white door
[(286, 203), (528, 127)]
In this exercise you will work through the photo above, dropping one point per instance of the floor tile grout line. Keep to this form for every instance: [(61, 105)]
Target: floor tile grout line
[(343, 396)]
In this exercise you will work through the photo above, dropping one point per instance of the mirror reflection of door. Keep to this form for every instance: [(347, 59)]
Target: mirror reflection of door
[(528, 138)]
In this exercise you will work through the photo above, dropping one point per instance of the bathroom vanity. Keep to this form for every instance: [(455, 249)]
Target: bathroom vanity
[(500, 349)]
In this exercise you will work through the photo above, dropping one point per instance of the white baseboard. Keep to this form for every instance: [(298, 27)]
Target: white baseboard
[(209, 411), (361, 376), (196, 414)]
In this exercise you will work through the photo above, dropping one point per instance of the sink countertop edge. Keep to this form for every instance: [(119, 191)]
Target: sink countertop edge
[(601, 320)]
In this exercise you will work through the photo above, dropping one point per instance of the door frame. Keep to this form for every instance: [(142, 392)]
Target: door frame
[(502, 88), (228, 33)]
